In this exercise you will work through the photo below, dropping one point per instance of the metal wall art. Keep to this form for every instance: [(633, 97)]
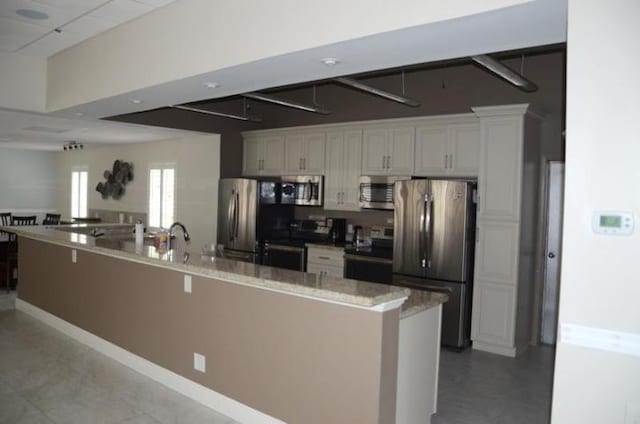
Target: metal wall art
[(116, 180)]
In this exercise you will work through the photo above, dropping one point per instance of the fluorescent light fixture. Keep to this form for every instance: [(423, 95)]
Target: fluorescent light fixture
[(505, 72), (378, 92), (287, 103), (220, 114)]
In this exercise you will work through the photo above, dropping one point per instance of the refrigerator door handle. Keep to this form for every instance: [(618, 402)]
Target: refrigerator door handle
[(422, 234), (428, 229), (230, 216), (236, 212)]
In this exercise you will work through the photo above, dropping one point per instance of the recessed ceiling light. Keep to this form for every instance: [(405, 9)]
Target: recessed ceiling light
[(32, 14), (136, 101), (330, 61), (211, 84)]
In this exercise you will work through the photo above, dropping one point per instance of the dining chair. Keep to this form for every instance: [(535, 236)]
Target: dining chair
[(5, 221), (51, 219), (12, 247)]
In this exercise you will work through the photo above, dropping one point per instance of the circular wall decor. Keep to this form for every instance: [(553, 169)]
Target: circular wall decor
[(115, 180)]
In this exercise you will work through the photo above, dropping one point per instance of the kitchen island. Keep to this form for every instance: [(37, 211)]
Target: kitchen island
[(270, 345)]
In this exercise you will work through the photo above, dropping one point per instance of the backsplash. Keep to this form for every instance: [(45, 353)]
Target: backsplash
[(366, 218), (114, 216)]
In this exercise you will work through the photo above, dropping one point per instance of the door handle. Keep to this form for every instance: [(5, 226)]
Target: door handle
[(551, 255)]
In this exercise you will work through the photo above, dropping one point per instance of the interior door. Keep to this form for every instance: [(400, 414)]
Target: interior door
[(555, 194), (447, 230), (409, 224)]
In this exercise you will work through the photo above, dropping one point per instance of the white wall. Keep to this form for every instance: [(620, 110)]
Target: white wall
[(193, 37), (600, 285), (23, 82), (197, 166), (28, 180)]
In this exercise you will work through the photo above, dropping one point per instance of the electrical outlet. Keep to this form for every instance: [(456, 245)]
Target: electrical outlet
[(187, 284), (74, 256), (199, 362), (632, 414)]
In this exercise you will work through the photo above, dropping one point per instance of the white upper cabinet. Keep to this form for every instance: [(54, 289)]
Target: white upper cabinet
[(388, 151), (447, 150), (343, 156), (263, 155), (304, 154)]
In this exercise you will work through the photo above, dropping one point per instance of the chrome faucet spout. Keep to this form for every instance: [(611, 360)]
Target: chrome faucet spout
[(185, 233)]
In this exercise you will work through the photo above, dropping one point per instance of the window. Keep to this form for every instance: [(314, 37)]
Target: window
[(79, 193), (161, 196)]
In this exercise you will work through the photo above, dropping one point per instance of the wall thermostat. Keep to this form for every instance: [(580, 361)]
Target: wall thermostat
[(613, 223)]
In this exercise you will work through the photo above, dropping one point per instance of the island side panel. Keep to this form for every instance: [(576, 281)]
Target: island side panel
[(299, 360)]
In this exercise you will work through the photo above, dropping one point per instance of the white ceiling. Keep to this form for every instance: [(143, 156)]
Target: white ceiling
[(43, 132), (68, 22)]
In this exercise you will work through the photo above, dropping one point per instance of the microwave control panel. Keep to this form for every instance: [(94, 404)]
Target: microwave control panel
[(613, 223)]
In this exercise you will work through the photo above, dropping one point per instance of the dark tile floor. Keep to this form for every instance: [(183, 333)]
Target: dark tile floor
[(46, 377)]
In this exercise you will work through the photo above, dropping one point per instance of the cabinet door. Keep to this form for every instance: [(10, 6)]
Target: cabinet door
[(493, 314), (401, 151), (500, 167), (251, 157), (464, 148), (273, 155), (313, 160), (352, 155), (374, 152), (294, 148), (334, 170), (497, 251), (431, 150)]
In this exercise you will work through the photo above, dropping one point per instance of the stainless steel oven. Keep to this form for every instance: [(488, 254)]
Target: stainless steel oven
[(376, 192), (304, 190), (284, 256)]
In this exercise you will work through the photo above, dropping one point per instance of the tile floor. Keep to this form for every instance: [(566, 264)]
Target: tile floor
[(46, 377)]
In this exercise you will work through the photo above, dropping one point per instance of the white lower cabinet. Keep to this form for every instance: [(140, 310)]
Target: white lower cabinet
[(493, 317), (323, 261), (497, 251)]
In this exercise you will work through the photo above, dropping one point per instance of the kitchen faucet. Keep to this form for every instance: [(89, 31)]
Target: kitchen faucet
[(187, 237)]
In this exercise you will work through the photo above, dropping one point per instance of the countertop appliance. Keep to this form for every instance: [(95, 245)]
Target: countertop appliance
[(246, 217), (302, 190), (434, 237), (376, 192)]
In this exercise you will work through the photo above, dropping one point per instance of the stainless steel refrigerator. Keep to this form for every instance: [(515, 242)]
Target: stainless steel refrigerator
[(433, 247), (249, 211)]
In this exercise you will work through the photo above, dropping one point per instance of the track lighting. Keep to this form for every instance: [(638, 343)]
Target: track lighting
[(505, 72), (72, 145)]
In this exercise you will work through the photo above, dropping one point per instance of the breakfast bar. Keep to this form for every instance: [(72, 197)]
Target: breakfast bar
[(257, 343)]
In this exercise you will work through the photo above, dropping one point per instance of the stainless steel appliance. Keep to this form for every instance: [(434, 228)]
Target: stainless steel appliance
[(376, 192), (246, 217), (285, 255), (374, 268), (302, 190), (434, 236)]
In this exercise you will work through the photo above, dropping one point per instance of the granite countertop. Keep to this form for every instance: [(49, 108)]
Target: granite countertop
[(421, 300), (341, 290)]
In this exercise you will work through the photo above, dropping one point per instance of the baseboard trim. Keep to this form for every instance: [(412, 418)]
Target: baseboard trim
[(498, 350), (214, 400)]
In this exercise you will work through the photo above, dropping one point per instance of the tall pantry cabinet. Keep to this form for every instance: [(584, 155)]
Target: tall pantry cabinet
[(507, 223)]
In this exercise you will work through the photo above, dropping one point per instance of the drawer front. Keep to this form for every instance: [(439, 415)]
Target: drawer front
[(330, 271), (325, 257)]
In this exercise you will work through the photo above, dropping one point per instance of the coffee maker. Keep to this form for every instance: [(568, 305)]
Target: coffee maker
[(337, 230)]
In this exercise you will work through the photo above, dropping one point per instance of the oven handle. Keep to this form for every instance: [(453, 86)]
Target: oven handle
[(284, 248), (369, 259)]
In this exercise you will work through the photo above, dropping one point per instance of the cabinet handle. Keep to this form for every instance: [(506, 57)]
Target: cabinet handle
[(338, 198), (342, 197), (384, 158), (445, 161), (451, 161), (324, 257), (304, 163)]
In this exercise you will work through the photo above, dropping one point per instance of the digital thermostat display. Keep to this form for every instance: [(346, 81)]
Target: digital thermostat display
[(613, 223)]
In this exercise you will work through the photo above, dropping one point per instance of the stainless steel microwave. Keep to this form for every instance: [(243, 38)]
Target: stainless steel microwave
[(302, 190), (376, 192)]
